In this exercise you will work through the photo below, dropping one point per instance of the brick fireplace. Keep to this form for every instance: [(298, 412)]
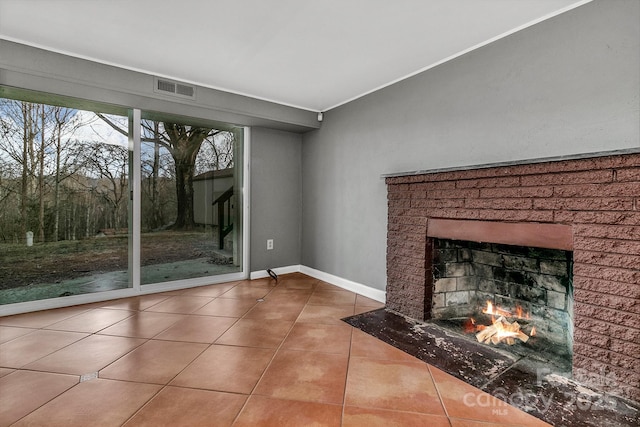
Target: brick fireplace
[(590, 206)]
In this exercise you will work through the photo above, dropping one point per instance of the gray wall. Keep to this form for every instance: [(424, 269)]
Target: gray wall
[(566, 86), (276, 198)]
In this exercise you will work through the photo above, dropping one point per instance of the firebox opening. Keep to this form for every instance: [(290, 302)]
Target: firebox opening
[(529, 289)]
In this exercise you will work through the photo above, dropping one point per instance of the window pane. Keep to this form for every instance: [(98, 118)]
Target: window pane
[(190, 212), (64, 200)]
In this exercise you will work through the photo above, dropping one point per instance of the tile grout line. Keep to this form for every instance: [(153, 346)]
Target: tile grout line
[(437, 387), (167, 384), (244, 405), (346, 380), (42, 328), (163, 386), (48, 401), (295, 322)]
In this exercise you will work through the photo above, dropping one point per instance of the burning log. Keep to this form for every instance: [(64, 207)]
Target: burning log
[(501, 330)]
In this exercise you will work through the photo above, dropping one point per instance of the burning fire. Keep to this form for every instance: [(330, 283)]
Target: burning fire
[(495, 311), (500, 329)]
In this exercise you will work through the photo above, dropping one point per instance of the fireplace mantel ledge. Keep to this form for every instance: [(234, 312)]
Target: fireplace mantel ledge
[(540, 235), (515, 162)]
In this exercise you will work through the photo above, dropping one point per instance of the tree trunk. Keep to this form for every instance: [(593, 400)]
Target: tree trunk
[(155, 190), (41, 175), (74, 224), (26, 130), (87, 221), (186, 145), (56, 191), (184, 195), (56, 203)]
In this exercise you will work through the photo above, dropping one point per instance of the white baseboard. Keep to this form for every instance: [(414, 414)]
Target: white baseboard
[(364, 290), (279, 270), (359, 288)]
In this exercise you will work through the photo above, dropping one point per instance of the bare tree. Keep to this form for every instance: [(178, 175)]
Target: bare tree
[(66, 161), (216, 153), (19, 125), (153, 166), (110, 163), (38, 138), (183, 142)]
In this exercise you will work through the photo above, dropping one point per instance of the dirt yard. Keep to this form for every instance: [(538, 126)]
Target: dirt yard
[(58, 261)]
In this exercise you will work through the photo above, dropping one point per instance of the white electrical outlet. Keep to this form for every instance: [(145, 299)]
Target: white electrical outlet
[(269, 244)]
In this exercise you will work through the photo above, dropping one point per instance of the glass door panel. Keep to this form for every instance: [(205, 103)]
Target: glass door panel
[(64, 199), (190, 199)]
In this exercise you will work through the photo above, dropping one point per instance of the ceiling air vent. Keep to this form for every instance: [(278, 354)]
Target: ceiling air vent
[(176, 89), (185, 90)]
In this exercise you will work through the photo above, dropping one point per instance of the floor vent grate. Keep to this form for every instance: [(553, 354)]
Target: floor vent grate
[(88, 377)]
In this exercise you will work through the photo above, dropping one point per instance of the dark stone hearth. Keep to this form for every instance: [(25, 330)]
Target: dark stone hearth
[(534, 385), (436, 346)]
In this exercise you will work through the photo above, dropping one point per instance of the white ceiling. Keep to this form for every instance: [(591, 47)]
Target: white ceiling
[(314, 55)]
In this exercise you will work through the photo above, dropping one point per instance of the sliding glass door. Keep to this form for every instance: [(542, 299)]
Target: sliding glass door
[(97, 198), (190, 206)]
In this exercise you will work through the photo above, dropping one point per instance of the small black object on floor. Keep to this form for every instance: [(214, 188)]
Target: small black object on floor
[(531, 384)]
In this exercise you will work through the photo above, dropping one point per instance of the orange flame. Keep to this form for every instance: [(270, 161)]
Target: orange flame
[(469, 325), (521, 314), (495, 310)]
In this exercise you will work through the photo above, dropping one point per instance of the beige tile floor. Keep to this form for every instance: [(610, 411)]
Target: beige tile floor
[(216, 356)]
